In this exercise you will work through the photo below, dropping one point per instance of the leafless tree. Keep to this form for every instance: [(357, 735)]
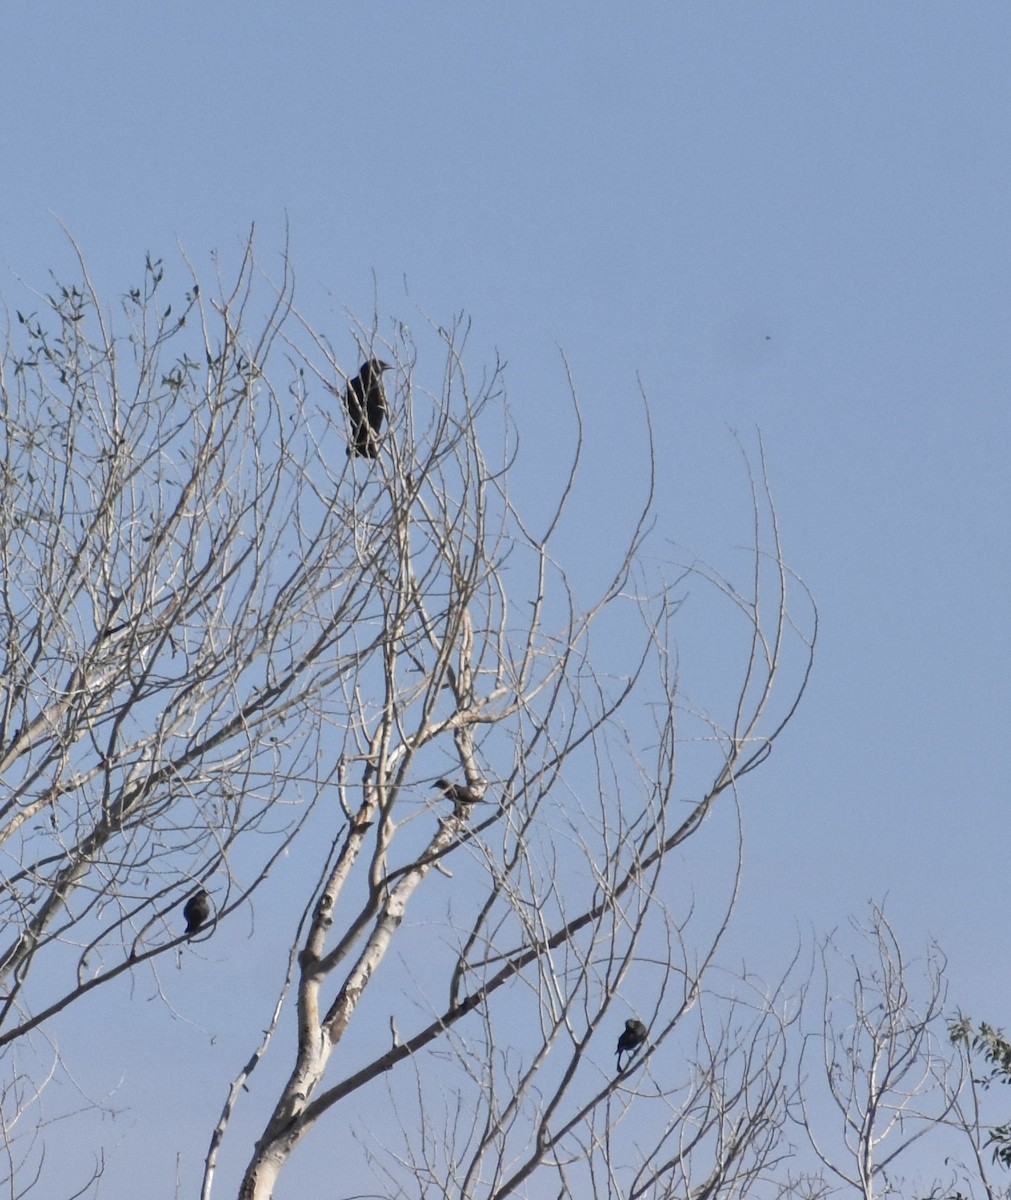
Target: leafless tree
[(888, 1076), (554, 898), (722, 1133), (26, 1122), (177, 600), (220, 631)]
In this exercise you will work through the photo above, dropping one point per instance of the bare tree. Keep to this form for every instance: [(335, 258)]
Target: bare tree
[(220, 631), (878, 1072), (484, 753), (722, 1134), (178, 595)]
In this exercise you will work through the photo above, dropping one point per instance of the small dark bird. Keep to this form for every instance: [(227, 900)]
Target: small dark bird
[(632, 1038), (461, 795), (365, 401), (196, 910)]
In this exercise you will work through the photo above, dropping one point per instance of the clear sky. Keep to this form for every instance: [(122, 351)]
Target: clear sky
[(794, 217)]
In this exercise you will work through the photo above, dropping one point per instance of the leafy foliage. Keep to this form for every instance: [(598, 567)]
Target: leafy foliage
[(988, 1045)]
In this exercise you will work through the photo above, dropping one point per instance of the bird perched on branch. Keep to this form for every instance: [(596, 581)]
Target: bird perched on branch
[(632, 1038), (365, 401), (196, 910), (461, 795)]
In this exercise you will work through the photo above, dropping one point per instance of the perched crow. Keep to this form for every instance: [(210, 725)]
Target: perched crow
[(632, 1038), (461, 795), (366, 404), (196, 910)]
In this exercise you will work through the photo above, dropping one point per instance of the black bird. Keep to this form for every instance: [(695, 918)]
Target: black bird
[(461, 795), (196, 910), (632, 1038), (365, 401)]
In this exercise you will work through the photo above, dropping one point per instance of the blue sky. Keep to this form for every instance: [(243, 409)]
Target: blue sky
[(789, 216)]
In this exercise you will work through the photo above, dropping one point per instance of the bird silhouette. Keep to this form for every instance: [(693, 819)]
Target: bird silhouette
[(461, 795), (196, 910), (365, 401), (632, 1038)]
